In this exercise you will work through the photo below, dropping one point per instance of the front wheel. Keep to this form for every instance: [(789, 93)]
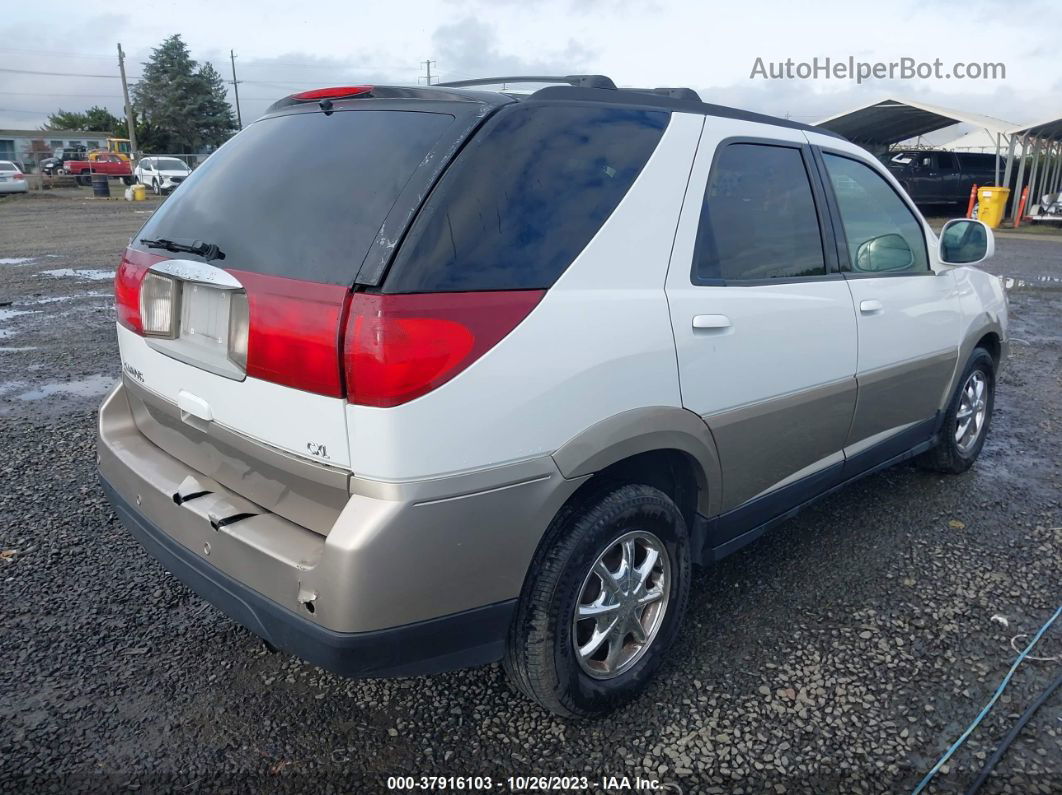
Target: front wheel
[(603, 603), (127, 180), (967, 419), (156, 188)]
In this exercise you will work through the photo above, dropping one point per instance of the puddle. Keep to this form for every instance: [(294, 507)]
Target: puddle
[(9, 314), (93, 386), (1042, 282), (53, 299), (16, 260), (93, 274)]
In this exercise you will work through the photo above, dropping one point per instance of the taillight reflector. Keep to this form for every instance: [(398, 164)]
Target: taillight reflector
[(293, 332), (333, 93), (399, 347)]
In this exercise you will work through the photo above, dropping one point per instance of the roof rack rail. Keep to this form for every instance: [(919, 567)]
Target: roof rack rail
[(581, 81), (677, 92)]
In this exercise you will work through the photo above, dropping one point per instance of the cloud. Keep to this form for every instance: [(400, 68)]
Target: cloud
[(469, 48)]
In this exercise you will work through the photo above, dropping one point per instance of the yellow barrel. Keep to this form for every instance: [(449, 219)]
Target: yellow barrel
[(991, 203), (139, 193)]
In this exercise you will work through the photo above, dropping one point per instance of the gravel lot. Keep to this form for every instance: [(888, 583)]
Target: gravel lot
[(844, 652)]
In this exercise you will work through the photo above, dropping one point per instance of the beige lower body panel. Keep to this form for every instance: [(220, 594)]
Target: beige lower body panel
[(396, 553), (761, 445), (893, 397)]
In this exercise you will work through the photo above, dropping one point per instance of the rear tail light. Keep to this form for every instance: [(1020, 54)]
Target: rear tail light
[(17, 176), (127, 279), (293, 332), (399, 347), (375, 349), (160, 298)]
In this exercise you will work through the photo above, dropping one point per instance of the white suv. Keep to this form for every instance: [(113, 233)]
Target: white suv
[(492, 375), (161, 174)]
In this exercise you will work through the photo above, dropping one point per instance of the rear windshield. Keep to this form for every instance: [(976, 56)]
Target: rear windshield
[(525, 197), (302, 195), (7, 165)]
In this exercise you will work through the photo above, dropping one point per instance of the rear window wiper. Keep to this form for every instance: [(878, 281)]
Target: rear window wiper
[(207, 251)]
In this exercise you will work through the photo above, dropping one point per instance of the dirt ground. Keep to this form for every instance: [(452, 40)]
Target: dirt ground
[(843, 652)]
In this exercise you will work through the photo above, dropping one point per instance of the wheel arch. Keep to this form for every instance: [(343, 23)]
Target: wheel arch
[(667, 447)]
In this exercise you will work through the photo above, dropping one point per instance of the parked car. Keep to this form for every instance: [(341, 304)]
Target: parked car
[(465, 377), (103, 163), (12, 180), (937, 177), (161, 174), (56, 164)]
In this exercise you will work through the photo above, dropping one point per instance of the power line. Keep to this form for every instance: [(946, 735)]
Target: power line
[(55, 74), (39, 94), (61, 53)]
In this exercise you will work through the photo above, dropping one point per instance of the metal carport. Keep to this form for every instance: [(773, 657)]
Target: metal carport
[(1041, 154), (877, 126)]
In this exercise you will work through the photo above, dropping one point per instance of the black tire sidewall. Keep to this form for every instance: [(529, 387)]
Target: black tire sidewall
[(650, 512)]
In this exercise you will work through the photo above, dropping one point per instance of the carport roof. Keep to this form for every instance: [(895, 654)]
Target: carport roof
[(1051, 130), (892, 120)]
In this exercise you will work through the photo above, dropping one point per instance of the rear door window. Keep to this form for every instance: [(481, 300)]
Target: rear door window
[(301, 195), (758, 219), (525, 197)]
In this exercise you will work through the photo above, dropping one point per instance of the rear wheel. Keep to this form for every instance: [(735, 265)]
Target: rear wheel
[(127, 180), (968, 418), (603, 603)]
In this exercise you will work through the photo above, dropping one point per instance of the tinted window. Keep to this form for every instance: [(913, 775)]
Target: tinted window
[(945, 161), (525, 197), (758, 218), (882, 233), (302, 195)]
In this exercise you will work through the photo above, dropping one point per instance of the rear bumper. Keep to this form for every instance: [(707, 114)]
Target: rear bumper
[(411, 578), (473, 637)]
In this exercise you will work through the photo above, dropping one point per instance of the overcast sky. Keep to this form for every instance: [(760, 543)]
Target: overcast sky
[(286, 46)]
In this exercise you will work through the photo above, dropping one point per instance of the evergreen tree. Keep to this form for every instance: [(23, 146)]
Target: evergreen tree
[(182, 105), (94, 119)]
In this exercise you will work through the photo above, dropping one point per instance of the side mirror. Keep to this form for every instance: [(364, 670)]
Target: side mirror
[(965, 241), (884, 253)]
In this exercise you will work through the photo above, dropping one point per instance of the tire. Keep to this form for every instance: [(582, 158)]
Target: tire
[(60, 171), (127, 180), (84, 180), (156, 188), (951, 454), (541, 659)]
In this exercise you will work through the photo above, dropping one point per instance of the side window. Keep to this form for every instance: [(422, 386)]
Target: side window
[(945, 161), (883, 235), (524, 198), (758, 217)]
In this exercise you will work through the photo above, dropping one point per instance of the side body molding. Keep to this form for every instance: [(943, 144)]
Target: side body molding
[(645, 430)]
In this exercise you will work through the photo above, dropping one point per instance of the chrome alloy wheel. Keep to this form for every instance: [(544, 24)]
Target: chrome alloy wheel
[(973, 405), (621, 604)]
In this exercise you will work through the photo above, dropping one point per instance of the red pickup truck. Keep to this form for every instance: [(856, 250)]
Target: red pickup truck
[(111, 165)]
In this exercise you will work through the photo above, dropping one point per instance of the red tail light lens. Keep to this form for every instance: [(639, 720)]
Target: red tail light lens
[(127, 280), (333, 93), (293, 332), (399, 347)]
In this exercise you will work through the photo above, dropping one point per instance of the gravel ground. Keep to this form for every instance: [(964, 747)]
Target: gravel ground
[(843, 652)]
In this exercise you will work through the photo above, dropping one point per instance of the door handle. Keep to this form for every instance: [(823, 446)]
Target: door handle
[(871, 307), (711, 321)]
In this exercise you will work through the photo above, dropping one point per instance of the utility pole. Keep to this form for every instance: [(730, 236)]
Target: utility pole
[(236, 89), (130, 120), (427, 66)]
